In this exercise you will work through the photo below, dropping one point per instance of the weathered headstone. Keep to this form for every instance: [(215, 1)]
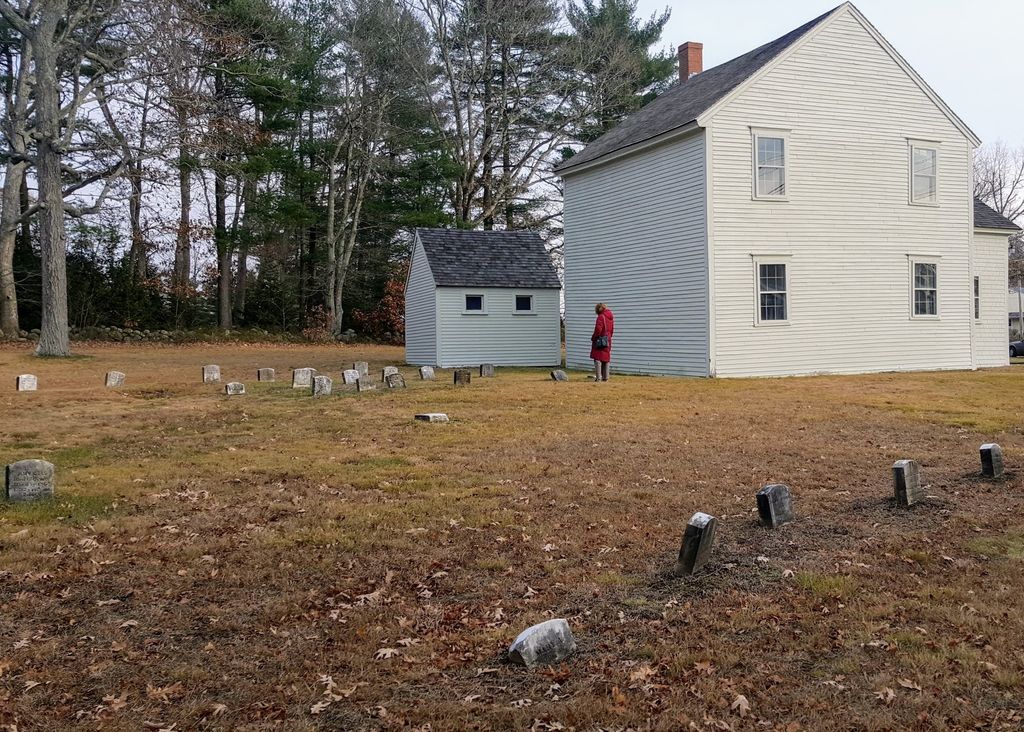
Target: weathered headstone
[(365, 383), (266, 375), (991, 460), (234, 388), (698, 539), (906, 478), (211, 374), (463, 377), (114, 379), (362, 367), (543, 644), (386, 372), (26, 382), (559, 375), (774, 505), (28, 480), (395, 381), (350, 376), (432, 417), (427, 373), (322, 385), (302, 378), (486, 370)]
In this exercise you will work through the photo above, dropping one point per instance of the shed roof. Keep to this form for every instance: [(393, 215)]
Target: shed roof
[(986, 217), (460, 258)]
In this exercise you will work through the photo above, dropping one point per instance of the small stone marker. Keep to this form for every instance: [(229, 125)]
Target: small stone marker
[(322, 385), (362, 367), (266, 375), (486, 370), (302, 378), (114, 379), (991, 460), (211, 374), (463, 377), (28, 480), (234, 388), (774, 505), (427, 373), (432, 417), (697, 542), (350, 376), (386, 372), (906, 478), (543, 644), (26, 382), (395, 381), (559, 375), (365, 383)]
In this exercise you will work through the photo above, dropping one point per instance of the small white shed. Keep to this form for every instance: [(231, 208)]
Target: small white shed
[(477, 297)]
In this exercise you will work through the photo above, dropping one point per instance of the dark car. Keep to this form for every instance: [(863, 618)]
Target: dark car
[(1017, 349)]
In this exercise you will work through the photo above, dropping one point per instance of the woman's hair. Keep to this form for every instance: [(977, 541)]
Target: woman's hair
[(600, 308)]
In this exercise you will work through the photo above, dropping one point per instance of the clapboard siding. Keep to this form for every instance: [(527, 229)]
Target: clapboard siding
[(420, 312), (990, 332), (847, 227), (635, 238), (501, 337)]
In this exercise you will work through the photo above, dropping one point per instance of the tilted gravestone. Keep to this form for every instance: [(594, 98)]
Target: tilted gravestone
[(365, 383), (350, 376), (114, 379), (211, 374), (26, 382), (432, 417), (303, 378), (362, 367), (559, 375), (486, 370), (28, 480), (543, 644), (991, 460), (234, 388), (427, 373), (322, 385), (775, 505), (386, 372), (266, 375), (698, 539), (906, 478), (462, 377), (395, 381)]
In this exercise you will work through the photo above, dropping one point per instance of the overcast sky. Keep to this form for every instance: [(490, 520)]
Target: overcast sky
[(969, 52)]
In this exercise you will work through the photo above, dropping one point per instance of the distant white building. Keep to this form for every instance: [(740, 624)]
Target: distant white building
[(477, 297), (804, 208), (1015, 307)]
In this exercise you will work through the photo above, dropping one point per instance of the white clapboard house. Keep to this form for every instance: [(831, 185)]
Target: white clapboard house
[(477, 297), (804, 208)]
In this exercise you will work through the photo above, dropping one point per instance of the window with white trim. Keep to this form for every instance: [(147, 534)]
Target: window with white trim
[(925, 289), (772, 292), (475, 304), (769, 165), (977, 298), (924, 174), (524, 304)]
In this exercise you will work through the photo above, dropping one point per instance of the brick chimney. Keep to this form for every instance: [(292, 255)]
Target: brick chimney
[(691, 59)]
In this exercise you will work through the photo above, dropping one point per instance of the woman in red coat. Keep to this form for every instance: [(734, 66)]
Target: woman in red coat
[(601, 341)]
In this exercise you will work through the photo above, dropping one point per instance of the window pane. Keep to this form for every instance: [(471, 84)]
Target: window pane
[(925, 302), (924, 187), (771, 181), (925, 168), (924, 161), (925, 275), (773, 278), (474, 302), (771, 151), (773, 306), (524, 302)]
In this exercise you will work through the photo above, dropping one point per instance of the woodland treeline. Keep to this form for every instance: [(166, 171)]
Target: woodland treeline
[(178, 163)]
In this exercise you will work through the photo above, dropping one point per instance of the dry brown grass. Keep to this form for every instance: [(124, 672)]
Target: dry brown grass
[(218, 563)]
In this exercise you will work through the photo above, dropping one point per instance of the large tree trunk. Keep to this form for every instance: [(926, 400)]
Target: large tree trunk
[(14, 174), (183, 241), (220, 237)]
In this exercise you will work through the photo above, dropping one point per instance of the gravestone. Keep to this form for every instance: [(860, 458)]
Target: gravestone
[(427, 373), (559, 375), (432, 417), (774, 505), (486, 370), (350, 376), (386, 372), (211, 374), (322, 385), (906, 477), (991, 460), (302, 378), (463, 377), (543, 644), (26, 382), (114, 379), (698, 539), (28, 480), (362, 367), (395, 381), (266, 375), (234, 388), (365, 383)]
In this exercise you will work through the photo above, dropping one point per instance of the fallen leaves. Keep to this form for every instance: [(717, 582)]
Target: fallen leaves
[(740, 705), (886, 695), (385, 653)]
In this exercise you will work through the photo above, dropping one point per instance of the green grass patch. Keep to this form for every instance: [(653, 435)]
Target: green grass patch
[(827, 585), (70, 508), (1010, 546)]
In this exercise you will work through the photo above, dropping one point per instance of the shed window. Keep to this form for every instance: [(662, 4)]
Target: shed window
[(474, 303), (769, 165), (524, 303), (924, 174), (926, 289), (977, 298)]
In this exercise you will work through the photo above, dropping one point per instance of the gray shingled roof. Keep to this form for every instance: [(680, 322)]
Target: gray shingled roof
[(686, 101), (988, 218), (460, 258)]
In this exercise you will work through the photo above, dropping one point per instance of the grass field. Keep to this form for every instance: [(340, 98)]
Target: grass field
[(277, 562)]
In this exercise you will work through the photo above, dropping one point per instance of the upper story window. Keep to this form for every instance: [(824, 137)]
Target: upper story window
[(524, 303), (769, 165), (924, 173), (925, 289), (475, 304)]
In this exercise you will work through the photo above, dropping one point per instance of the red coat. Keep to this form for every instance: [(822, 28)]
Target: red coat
[(605, 326)]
